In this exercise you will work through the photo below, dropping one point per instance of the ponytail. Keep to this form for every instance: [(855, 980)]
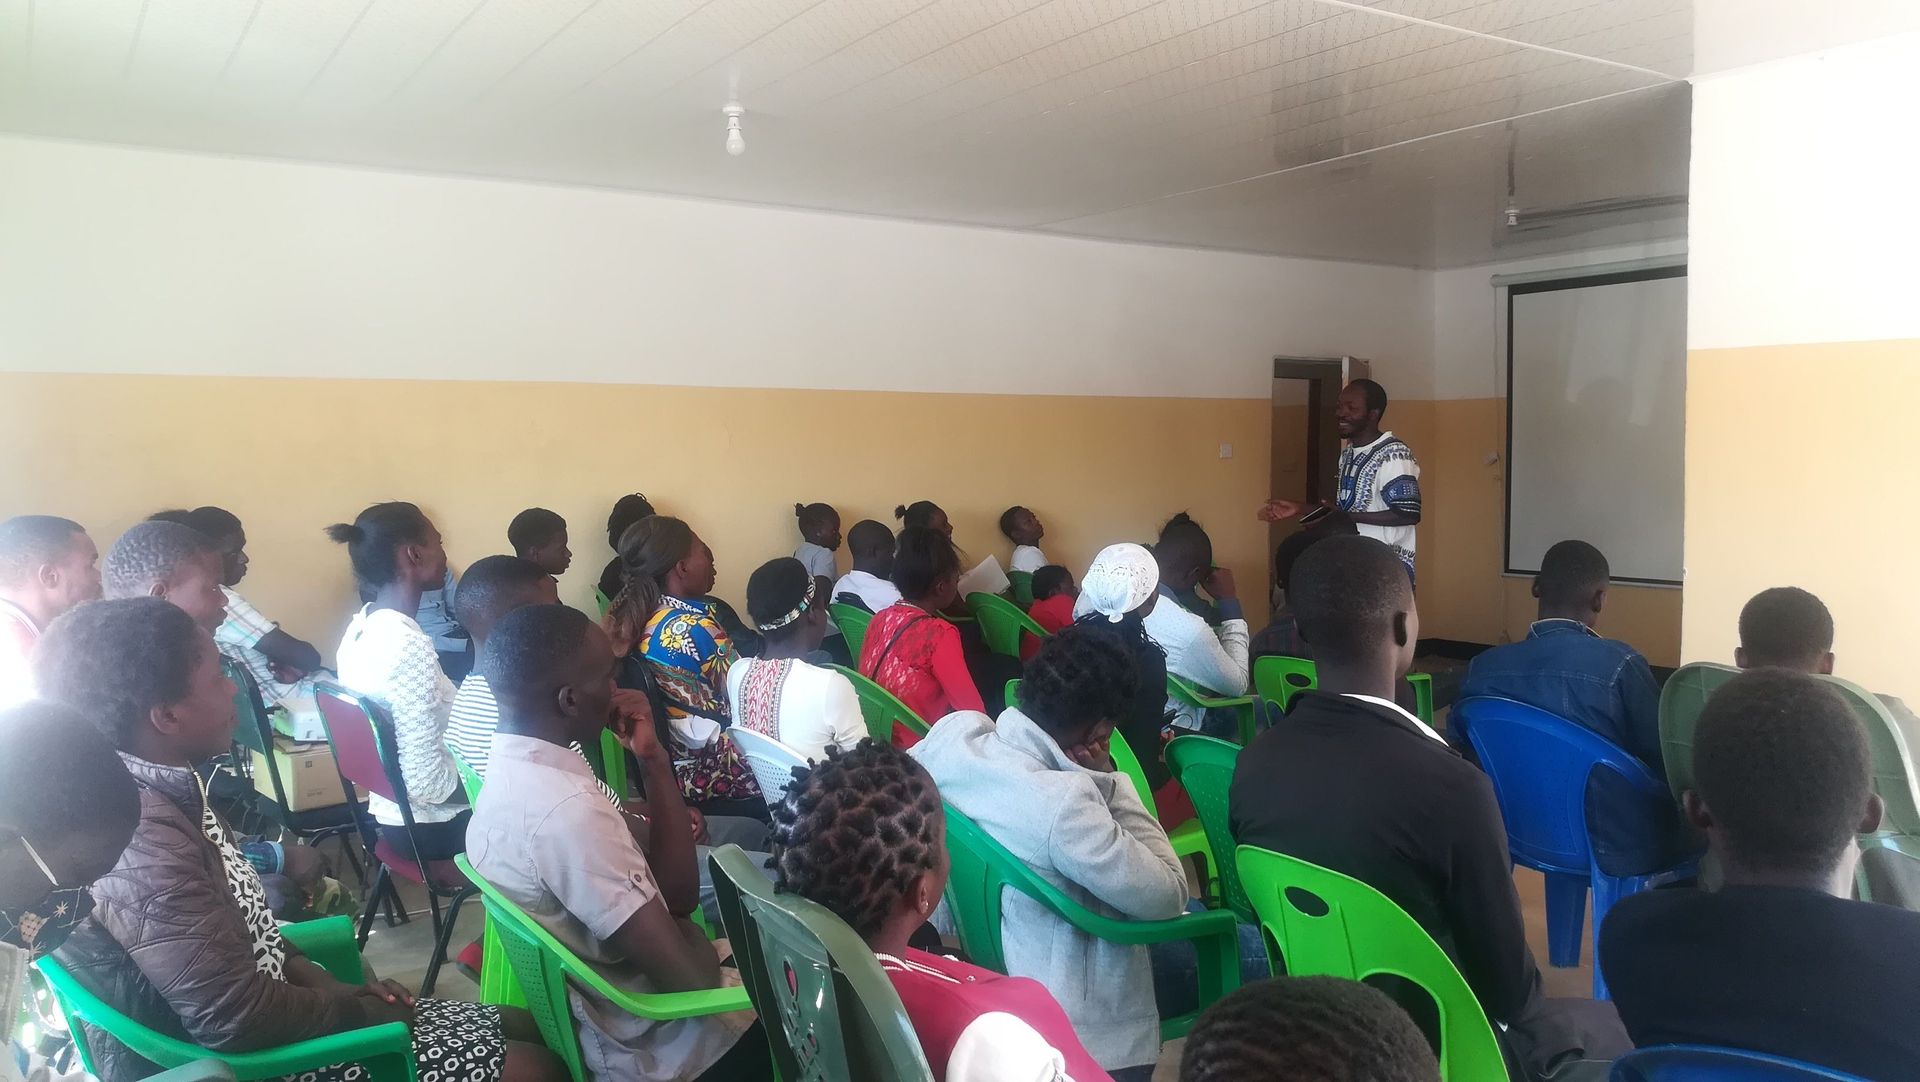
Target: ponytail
[(648, 550)]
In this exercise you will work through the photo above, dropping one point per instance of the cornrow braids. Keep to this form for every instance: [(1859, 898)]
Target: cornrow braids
[(1322, 1028), (856, 831)]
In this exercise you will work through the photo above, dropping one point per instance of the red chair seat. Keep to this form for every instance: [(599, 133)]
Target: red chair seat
[(446, 876)]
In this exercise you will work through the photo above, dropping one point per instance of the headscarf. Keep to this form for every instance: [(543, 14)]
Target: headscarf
[(1120, 579)]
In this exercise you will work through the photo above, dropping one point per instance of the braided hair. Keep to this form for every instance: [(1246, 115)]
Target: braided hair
[(648, 550), (1309, 1029), (856, 832)]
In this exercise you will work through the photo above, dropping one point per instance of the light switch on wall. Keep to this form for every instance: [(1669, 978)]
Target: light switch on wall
[(1226, 450)]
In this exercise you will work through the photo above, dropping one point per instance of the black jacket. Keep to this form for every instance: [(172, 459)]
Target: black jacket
[(1358, 788)]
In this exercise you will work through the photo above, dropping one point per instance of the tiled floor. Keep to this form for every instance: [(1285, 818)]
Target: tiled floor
[(401, 954)]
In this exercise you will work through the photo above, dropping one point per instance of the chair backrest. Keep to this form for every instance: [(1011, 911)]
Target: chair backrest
[(881, 708), (545, 967), (469, 778), (1326, 924), (1204, 766), (982, 870), (772, 762), (1892, 757), (1539, 764), (602, 600), (852, 620), (828, 1009), (1022, 583), (1001, 623), (1699, 1063), (254, 732), (1682, 698), (1278, 679), (608, 758), (1125, 761), (359, 734)]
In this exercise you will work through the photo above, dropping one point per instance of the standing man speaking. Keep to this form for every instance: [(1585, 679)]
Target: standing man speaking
[(1379, 480)]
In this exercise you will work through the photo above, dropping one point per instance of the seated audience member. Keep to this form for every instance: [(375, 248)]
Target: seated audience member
[(627, 510), (546, 836), (490, 589), (1307, 1029), (180, 937), (539, 535), (1054, 594), (67, 809), (384, 655), (868, 584), (1788, 628), (281, 666), (864, 835), (676, 648), (169, 561), (1120, 589), (1780, 959), (923, 515), (819, 539), (1042, 783), (1214, 659), (1281, 636), (47, 566), (820, 533), (1353, 783), (783, 693), (909, 649), (1564, 667), (450, 640), (1023, 528)]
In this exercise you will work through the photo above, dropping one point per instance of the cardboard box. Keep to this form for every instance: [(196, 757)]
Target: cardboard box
[(306, 770)]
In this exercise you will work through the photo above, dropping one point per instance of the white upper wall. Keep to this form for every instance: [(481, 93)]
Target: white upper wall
[(115, 259), (1469, 357), (1813, 157)]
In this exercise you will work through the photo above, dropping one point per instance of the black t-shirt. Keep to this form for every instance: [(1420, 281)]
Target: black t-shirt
[(1780, 970)]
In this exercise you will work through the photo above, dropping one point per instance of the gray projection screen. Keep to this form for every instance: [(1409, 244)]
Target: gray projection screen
[(1596, 406)]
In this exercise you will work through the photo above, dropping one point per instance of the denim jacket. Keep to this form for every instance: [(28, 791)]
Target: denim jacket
[(1567, 669)]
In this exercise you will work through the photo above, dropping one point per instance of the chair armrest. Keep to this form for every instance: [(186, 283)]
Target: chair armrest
[(659, 1006), (200, 1070), (368, 1045), (1215, 934), (331, 944)]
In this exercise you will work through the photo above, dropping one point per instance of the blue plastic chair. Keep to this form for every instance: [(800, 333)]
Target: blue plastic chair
[(1700, 1063), (1539, 764)]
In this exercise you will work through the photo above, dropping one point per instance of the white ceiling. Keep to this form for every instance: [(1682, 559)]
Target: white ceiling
[(1358, 130)]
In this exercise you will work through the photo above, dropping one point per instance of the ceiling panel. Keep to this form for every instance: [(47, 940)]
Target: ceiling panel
[(1176, 119)]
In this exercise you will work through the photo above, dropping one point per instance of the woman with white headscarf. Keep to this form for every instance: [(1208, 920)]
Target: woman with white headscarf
[(1116, 594)]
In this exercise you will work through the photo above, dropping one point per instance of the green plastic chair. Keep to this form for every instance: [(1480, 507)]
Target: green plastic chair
[(545, 967), (497, 982), (1321, 923), (602, 600), (609, 761), (1189, 693), (828, 1009), (881, 708), (1205, 766), (386, 1050), (1682, 698), (1002, 623), (1022, 586), (1278, 679), (1897, 842), (1189, 838), (982, 870), (852, 620)]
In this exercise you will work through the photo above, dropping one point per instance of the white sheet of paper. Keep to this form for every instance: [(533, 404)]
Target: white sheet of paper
[(985, 579)]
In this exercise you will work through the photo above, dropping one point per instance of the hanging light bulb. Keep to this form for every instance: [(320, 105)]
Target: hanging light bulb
[(736, 142)]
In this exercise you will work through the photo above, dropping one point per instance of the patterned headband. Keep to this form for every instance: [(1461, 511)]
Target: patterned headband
[(806, 602)]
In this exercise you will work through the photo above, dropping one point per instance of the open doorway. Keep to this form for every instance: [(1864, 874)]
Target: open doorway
[(1306, 442)]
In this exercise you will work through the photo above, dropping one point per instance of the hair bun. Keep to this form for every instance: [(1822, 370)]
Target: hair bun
[(1180, 519), (346, 533), (900, 511), (799, 510)]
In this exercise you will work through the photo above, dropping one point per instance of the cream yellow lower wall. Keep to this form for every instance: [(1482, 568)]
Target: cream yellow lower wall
[(292, 455), (1796, 471), (1463, 595)]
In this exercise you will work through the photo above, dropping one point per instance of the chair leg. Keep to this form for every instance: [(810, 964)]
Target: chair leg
[(442, 941), (374, 894), (1566, 917)]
